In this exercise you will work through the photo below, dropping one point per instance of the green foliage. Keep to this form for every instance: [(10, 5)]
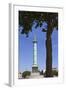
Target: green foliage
[(27, 18), (41, 72), (26, 73), (55, 73)]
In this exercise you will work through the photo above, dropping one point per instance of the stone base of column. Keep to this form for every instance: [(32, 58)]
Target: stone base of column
[(35, 69)]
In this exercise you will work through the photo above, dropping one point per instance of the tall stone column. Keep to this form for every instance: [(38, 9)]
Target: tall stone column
[(35, 65)]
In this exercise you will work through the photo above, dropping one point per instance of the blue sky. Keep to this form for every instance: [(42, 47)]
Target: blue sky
[(25, 59)]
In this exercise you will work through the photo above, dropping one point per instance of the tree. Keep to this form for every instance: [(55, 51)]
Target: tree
[(25, 74), (26, 20), (55, 72), (41, 72)]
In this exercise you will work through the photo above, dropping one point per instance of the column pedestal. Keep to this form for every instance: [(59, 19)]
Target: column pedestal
[(35, 69)]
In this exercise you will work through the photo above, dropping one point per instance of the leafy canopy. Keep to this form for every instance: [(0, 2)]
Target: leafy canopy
[(26, 19)]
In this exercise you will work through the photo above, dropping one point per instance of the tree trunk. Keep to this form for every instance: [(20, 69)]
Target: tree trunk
[(48, 55)]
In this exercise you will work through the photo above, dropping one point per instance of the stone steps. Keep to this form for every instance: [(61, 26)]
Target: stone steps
[(36, 75)]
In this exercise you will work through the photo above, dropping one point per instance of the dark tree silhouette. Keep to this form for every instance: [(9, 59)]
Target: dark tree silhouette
[(26, 20)]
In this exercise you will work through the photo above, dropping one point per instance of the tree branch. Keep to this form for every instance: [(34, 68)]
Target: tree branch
[(43, 30)]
